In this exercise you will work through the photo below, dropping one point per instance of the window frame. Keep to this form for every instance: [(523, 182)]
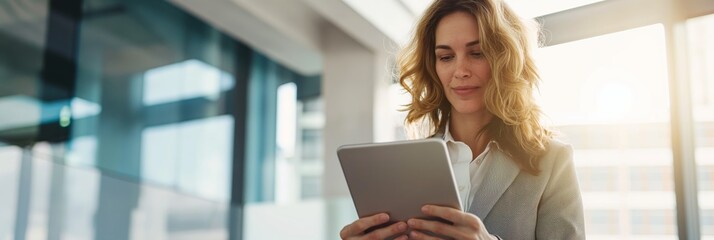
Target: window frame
[(567, 26)]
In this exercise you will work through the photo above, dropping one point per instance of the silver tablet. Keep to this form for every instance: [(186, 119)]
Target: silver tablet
[(399, 177)]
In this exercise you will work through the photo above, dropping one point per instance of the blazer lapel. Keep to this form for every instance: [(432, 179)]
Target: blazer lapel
[(498, 178)]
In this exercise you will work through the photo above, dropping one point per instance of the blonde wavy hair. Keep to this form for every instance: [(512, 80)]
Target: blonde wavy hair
[(507, 42)]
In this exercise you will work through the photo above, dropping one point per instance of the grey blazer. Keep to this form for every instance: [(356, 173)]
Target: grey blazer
[(517, 205)]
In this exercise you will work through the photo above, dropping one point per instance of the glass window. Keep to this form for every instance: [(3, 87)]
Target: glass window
[(602, 222), (706, 178), (184, 80), (598, 178), (313, 105), (195, 156), (608, 96), (285, 123), (700, 33), (150, 103), (398, 99), (311, 187), (651, 179), (311, 144), (23, 28), (311, 123), (707, 222), (153, 86), (652, 222), (298, 157), (9, 177), (157, 86)]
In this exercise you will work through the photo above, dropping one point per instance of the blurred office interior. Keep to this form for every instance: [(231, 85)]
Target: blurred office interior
[(189, 119)]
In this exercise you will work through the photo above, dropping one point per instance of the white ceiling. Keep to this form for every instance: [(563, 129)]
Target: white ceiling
[(289, 31), (396, 17)]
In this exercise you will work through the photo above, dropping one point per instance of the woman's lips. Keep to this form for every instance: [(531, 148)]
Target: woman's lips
[(465, 90)]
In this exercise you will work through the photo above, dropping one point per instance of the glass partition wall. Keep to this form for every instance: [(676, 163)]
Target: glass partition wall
[(138, 120)]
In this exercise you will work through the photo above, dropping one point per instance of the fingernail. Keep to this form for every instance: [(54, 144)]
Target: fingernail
[(425, 208), (402, 227), (384, 217), (411, 222)]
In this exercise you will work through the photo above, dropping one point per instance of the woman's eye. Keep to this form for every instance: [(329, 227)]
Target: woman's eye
[(445, 58), (477, 54)]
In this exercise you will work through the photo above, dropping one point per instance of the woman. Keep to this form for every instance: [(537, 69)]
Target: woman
[(470, 72)]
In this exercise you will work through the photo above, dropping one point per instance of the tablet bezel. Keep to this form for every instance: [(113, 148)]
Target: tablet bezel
[(399, 177)]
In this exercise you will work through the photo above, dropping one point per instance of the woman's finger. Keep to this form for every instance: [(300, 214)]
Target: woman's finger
[(402, 237), (433, 226), (421, 236), (453, 215), (358, 227), (389, 231)]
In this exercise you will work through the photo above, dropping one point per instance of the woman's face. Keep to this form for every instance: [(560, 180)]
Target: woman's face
[(461, 66)]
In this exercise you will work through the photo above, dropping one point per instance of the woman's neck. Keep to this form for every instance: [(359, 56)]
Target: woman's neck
[(466, 127)]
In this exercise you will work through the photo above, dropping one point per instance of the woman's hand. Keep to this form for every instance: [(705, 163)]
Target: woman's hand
[(356, 229), (465, 225)]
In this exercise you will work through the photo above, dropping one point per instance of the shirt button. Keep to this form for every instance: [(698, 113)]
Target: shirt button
[(461, 187)]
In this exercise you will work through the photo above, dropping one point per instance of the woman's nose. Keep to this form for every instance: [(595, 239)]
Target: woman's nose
[(462, 69)]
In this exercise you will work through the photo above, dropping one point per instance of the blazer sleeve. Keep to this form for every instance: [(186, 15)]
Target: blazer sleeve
[(560, 211)]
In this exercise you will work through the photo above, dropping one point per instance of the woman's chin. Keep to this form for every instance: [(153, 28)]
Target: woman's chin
[(469, 109)]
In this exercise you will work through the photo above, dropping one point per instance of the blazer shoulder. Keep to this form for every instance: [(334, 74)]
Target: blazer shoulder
[(557, 152), (558, 145)]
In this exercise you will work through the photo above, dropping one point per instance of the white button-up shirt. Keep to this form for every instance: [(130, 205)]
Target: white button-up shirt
[(468, 172)]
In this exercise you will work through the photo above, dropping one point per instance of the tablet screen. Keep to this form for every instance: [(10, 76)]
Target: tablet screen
[(399, 178)]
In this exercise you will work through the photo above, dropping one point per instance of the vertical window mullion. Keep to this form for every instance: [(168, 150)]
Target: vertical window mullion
[(685, 180)]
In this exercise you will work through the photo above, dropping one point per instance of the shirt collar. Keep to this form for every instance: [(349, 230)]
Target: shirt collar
[(447, 134), (448, 138)]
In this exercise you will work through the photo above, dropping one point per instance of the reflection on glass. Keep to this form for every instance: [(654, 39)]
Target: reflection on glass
[(311, 144), (9, 177), (193, 156), (83, 150), (311, 123), (63, 203), (19, 112), (311, 187), (285, 121), (700, 33), (608, 96), (151, 99), (286, 169), (184, 80), (81, 189), (286, 117), (23, 29), (299, 146), (24, 111)]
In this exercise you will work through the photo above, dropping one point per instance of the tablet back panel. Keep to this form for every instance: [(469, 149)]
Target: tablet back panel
[(399, 177)]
